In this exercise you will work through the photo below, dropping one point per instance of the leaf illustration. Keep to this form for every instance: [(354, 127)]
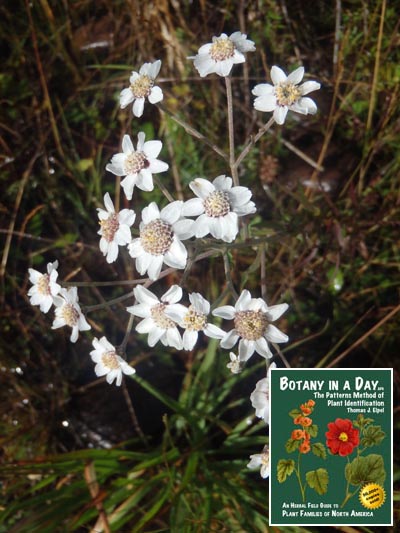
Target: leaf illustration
[(295, 413), (372, 435), (361, 421), (284, 469), (292, 445), (313, 430), (318, 480), (319, 450), (368, 469)]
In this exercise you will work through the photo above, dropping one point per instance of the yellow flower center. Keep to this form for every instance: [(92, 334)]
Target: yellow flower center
[(70, 315), (222, 48), (135, 162), (43, 284), (217, 204), (343, 437), (142, 86), (287, 93), (156, 237), (250, 325), (159, 317), (109, 227), (109, 360), (194, 321)]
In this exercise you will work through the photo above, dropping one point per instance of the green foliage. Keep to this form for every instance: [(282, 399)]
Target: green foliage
[(318, 480), (366, 469), (285, 468), (372, 436), (318, 449)]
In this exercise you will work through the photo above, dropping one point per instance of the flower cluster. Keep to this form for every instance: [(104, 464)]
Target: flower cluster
[(303, 420), (216, 211)]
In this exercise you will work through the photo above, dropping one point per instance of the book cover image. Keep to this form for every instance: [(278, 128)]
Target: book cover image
[(330, 447)]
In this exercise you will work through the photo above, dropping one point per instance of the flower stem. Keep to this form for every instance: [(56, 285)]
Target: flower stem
[(297, 470), (253, 141), (233, 166)]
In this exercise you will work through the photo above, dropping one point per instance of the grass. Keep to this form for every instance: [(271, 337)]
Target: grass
[(169, 451)]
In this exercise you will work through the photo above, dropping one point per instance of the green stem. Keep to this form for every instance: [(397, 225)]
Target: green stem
[(297, 470)]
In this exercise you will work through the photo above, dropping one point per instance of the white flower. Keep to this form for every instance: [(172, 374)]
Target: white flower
[(219, 206), (142, 87), (286, 94), (258, 460), (109, 364), (194, 319), (137, 165), (114, 228), (260, 396), (155, 321), (44, 287), (235, 364), (68, 312), (252, 318), (160, 239), (224, 52)]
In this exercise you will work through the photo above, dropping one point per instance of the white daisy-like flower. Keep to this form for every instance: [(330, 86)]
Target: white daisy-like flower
[(252, 325), (142, 87), (224, 52), (155, 321), (138, 166), (114, 228), (194, 319), (285, 94), (260, 460), (44, 287), (68, 312), (161, 233), (219, 206), (108, 363), (260, 396), (234, 365)]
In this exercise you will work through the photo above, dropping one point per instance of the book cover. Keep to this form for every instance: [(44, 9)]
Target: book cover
[(331, 447)]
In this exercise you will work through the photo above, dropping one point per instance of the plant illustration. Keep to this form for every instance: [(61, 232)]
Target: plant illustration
[(343, 438), (301, 441)]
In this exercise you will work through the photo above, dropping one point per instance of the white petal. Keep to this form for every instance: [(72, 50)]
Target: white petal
[(243, 301), (125, 98), (138, 106), (214, 331), (156, 95), (112, 252), (193, 207), (306, 106), (142, 310), (146, 325), (155, 266), (128, 184), (154, 336), (222, 183), (173, 295), (150, 213), (135, 248), (226, 311), (273, 334), (127, 216), (296, 76), (199, 303), (262, 348), (263, 89), (176, 256), (184, 228), (201, 187), (176, 312), (276, 311), (145, 296), (309, 87), (229, 339), (202, 226), (172, 212), (156, 166), (280, 114), (246, 349), (151, 149), (173, 338), (265, 103), (189, 339), (143, 263), (154, 69), (145, 181), (127, 146), (277, 75)]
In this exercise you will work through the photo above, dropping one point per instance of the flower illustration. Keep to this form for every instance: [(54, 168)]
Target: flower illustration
[(219, 206), (108, 363), (68, 312), (342, 437), (285, 94), (114, 228), (138, 166), (161, 233), (44, 287), (224, 52), (234, 364), (155, 322), (194, 319), (252, 325), (260, 460), (142, 87)]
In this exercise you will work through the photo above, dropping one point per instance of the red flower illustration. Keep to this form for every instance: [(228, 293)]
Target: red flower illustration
[(342, 437)]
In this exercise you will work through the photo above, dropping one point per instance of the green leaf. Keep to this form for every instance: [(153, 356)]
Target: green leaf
[(292, 445), (368, 469), (284, 469), (313, 430), (361, 421), (319, 450), (372, 436), (318, 480), (295, 413)]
